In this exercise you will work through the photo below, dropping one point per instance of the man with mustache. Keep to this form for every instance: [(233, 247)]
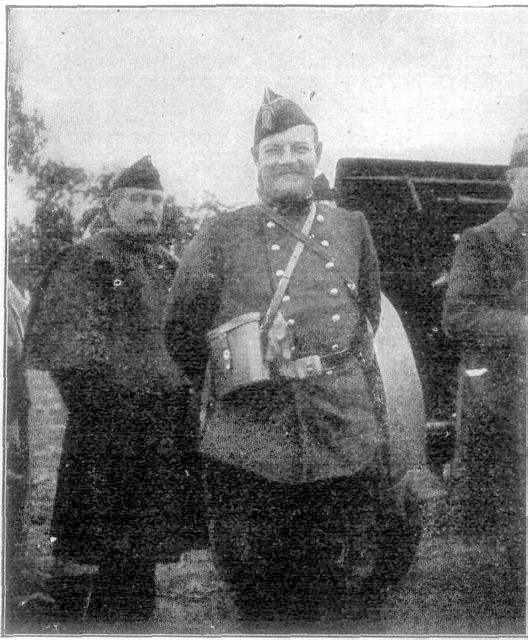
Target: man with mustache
[(125, 494), (292, 413)]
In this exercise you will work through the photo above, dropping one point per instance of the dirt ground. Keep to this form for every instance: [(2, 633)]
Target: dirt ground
[(452, 588)]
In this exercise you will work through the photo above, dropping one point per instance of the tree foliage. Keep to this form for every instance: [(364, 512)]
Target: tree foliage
[(57, 184), (98, 187), (22, 255), (25, 134)]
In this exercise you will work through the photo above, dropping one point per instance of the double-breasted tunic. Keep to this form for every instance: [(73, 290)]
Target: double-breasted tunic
[(127, 478), (485, 310), (286, 430)]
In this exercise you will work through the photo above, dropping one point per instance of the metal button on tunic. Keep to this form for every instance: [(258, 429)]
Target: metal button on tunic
[(335, 347), (319, 218), (329, 265), (286, 298), (336, 318), (325, 243), (270, 224), (334, 291), (279, 273), (291, 322), (275, 247)]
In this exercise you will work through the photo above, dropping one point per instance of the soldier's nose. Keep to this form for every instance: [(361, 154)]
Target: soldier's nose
[(286, 156)]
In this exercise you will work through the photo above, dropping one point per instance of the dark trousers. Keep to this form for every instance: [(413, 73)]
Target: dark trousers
[(297, 552), (124, 590)]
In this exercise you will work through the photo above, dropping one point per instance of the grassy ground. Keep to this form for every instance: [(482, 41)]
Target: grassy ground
[(452, 588)]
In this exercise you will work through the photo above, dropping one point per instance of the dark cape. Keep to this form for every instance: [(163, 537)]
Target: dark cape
[(129, 475)]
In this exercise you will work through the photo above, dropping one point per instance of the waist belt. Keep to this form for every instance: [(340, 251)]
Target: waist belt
[(336, 359), (314, 365)]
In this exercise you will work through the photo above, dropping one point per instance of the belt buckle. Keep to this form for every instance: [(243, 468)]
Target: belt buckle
[(308, 367)]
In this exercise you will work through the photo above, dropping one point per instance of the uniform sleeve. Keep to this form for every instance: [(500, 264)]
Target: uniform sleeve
[(68, 326), (471, 313), (193, 302), (369, 277)]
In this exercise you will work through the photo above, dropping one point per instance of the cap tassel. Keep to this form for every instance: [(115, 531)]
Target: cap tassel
[(266, 118)]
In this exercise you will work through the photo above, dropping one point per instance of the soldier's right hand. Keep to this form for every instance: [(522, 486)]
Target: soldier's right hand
[(278, 341)]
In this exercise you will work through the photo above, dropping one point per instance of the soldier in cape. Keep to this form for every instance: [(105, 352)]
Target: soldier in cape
[(485, 310), (283, 298), (127, 495)]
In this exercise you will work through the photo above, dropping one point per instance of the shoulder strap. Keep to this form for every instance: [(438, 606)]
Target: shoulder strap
[(303, 237), (285, 280)]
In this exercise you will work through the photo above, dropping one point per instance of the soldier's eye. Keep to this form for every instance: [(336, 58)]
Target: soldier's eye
[(272, 151)]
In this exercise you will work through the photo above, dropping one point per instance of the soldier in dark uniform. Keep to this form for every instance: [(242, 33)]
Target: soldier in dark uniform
[(295, 463), (126, 493), (485, 310)]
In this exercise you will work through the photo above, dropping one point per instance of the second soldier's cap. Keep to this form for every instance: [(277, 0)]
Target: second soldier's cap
[(276, 115), (142, 174), (519, 156)]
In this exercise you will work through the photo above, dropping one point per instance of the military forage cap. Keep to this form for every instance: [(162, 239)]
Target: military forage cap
[(142, 174), (276, 115), (520, 151)]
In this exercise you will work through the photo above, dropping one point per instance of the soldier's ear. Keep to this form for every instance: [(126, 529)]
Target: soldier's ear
[(318, 151), (511, 176), (255, 154)]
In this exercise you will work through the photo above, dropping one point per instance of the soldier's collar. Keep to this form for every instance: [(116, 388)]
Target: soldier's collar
[(286, 207), (132, 242)]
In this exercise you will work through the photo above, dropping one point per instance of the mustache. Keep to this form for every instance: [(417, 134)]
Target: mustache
[(291, 168)]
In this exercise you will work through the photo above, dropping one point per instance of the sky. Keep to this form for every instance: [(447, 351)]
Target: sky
[(184, 84)]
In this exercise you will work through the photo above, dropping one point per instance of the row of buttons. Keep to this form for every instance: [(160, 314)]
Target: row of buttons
[(333, 292), (280, 272), (335, 318), (271, 225), (329, 265), (324, 243)]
